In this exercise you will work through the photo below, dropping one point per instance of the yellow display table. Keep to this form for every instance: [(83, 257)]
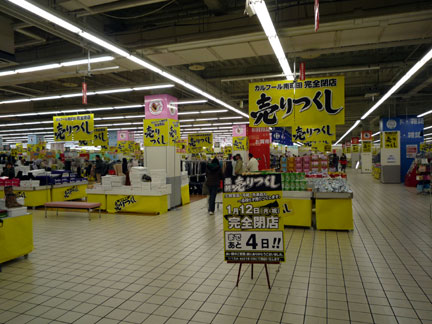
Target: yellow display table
[(296, 208), (33, 197), (185, 196), (16, 237), (98, 198), (334, 213), (147, 204), (68, 191)]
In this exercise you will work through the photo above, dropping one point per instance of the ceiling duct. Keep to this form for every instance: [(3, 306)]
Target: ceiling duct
[(218, 7)]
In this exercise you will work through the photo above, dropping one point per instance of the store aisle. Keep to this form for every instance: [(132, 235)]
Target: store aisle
[(170, 269)]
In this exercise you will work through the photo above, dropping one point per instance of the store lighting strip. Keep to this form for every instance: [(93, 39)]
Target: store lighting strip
[(119, 51), (349, 131), (57, 65), (375, 134), (90, 93), (260, 9), (425, 113)]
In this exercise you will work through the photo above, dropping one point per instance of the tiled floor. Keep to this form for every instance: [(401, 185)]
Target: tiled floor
[(170, 269)]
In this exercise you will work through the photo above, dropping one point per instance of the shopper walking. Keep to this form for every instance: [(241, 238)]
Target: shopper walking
[(239, 167), (343, 161), (99, 169), (125, 171), (336, 161), (213, 179), (252, 165)]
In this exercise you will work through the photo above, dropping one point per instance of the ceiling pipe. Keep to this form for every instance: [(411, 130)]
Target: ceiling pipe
[(37, 40), (119, 5), (313, 72)]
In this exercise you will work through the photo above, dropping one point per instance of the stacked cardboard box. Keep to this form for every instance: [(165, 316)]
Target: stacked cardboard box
[(111, 181), (136, 178), (158, 179)]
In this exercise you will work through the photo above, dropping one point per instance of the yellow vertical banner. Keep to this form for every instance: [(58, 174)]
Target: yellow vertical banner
[(228, 149), (391, 140), (355, 148), (156, 132), (366, 146), (100, 136), (173, 132), (252, 224), (240, 143), (73, 128)]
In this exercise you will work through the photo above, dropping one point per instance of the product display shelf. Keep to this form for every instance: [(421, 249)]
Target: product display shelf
[(69, 191), (33, 196), (296, 208), (16, 237), (333, 210), (144, 202)]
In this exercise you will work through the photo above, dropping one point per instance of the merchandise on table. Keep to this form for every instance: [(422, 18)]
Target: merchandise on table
[(330, 185)]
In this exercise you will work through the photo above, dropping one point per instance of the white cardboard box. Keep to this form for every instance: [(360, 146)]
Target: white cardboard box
[(17, 211)]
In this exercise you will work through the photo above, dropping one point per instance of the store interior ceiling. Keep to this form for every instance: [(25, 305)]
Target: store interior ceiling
[(213, 45)]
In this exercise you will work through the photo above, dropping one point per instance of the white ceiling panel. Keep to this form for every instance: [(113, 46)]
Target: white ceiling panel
[(403, 31), (262, 47), (75, 5), (361, 36), (167, 59), (234, 51), (197, 55)]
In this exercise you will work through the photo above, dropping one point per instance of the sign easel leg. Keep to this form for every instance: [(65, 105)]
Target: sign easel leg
[(266, 270), (238, 275)]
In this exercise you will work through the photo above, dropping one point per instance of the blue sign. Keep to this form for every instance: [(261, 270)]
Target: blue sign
[(281, 136), (112, 138)]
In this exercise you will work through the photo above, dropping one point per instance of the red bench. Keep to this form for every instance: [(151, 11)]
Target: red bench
[(73, 205)]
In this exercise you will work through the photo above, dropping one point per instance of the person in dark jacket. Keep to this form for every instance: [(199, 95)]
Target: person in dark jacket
[(214, 176), (99, 168), (8, 171), (229, 168), (125, 171)]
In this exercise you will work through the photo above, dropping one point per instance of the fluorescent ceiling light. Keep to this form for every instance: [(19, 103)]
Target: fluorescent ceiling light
[(377, 141), (187, 120), (375, 134), (205, 119), (241, 123), (429, 127), (128, 106), (111, 47), (428, 134), (260, 8), (232, 117), (348, 131), (100, 109), (189, 113), (404, 79), (38, 68), (191, 102), (425, 113), (98, 92), (213, 111)]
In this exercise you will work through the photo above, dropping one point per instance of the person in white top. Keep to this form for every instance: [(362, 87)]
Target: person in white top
[(252, 165)]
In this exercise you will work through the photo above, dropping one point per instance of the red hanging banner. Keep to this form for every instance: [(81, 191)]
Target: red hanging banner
[(316, 11), (84, 93), (302, 71)]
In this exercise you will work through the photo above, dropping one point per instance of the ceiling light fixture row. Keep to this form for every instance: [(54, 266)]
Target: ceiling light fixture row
[(26, 5)]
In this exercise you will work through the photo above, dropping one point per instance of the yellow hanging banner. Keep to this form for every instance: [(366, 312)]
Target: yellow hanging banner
[(156, 132), (391, 140), (174, 131), (366, 146), (317, 133), (200, 140), (73, 128), (355, 148), (240, 143), (181, 145), (100, 136), (126, 147), (228, 150), (318, 101)]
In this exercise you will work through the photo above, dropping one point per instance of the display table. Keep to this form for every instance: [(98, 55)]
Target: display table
[(185, 195), (149, 203), (69, 191), (333, 211), (16, 237), (33, 196), (296, 207), (98, 198)]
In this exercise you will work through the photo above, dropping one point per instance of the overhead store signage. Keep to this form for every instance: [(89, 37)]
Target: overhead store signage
[(253, 230), (228, 149), (355, 140), (100, 136), (181, 145), (318, 101), (126, 147), (156, 132), (366, 136), (173, 131), (355, 148), (73, 128), (200, 140), (240, 143), (281, 136), (316, 133)]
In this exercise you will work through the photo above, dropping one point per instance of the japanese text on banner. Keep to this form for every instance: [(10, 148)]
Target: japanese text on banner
[(156, 132), (100, 136), (240, 143), (253, 230), (200, 140), (366, 146), (73, 128), (316, 133), (173, 132), (391, 140), (313, 102)]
